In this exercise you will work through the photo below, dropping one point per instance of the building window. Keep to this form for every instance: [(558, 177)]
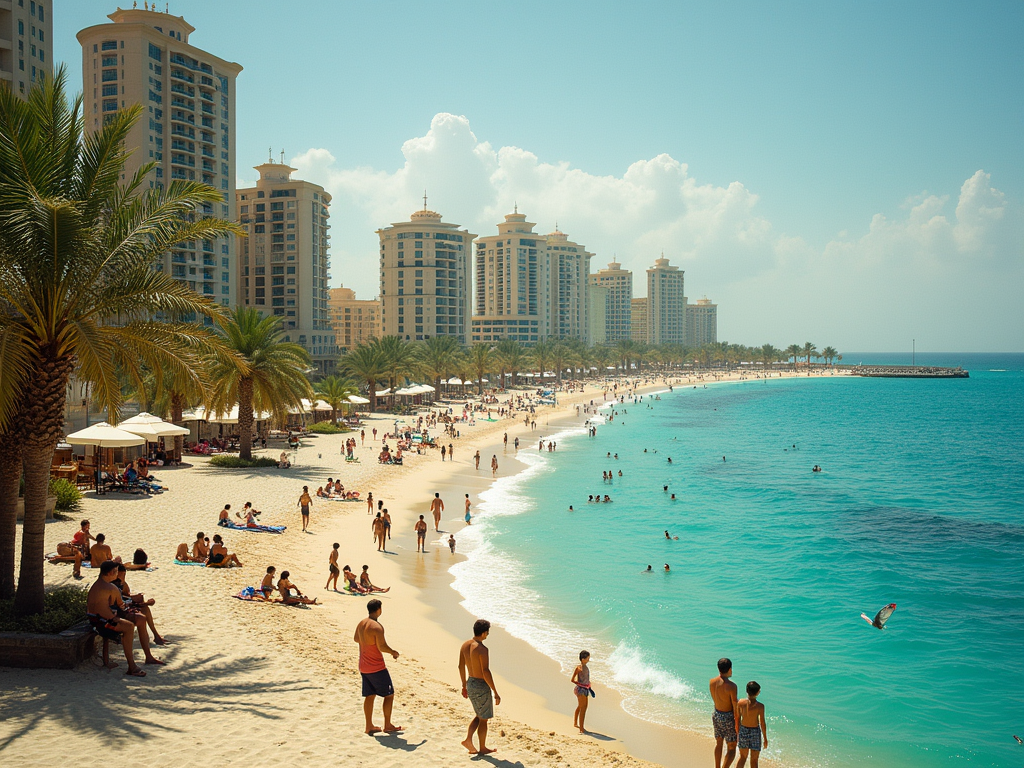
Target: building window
[(109, 45)]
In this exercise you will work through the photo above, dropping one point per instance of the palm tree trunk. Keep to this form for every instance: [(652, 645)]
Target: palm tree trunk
[(245, 418), (372, 383), (42, 424), (334, 415), (177, 407), (10, 476)]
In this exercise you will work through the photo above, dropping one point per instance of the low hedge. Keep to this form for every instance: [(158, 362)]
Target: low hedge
[(326, 428), (63, 607), (235, 462)]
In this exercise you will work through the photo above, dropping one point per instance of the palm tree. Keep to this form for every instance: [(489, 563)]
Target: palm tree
[(267, 374), (541, 354), (437, 359), (78, 292), (809, 351), (561, 354), (335, 391), (366, 363), (769, 355), (829, 353), (511, 359), (793, 351), (481, 360), (401, 358)]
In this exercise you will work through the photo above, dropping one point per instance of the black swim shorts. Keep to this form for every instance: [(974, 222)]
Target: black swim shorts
[(377, 683)]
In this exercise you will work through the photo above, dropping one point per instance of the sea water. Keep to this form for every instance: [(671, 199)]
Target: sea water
[(921, 503)]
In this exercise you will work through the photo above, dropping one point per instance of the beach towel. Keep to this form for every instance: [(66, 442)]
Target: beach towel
[(257, 529), (188, 562), (248, 594), (88, 564)]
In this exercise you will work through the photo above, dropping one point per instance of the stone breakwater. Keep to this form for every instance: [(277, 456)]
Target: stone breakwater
[(909, 372)]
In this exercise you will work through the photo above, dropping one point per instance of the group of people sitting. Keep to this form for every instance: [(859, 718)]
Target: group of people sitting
[(134, 479), (211, 554), (335, 490), (290, 593), (386, 457), (247, 516), (79, 551), (116, 613), (361, 586)]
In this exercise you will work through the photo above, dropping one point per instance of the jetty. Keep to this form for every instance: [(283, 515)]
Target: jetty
[(909, 372)]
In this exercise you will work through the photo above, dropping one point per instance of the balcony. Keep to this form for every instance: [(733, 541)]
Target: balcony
[(184, 90), (181, 117), (177, 130), (182, 160), (183, 103), (208, 261)]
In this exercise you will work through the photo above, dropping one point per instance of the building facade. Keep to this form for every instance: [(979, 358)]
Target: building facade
[(425, 278), (355, 321), (597, 302), (284, 259), (515, 289), (618, 307), (701, 323), (187, 127), (639, 329), (26, 44), (666, 304), (569, 263)]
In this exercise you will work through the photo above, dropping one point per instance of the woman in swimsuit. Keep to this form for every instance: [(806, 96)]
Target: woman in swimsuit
[(285, 587), (369, 503), (350, 580), (581, 679), (365, 583), (219, 555)]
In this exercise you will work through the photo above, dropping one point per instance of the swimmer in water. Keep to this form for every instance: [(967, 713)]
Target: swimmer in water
[(649, 570), (673, 497), (669, 459), (666, 568), (606, 499), (664, 488), (816, 468), (590, 499), (570, 508), (723, 458), (620, 473), (667, 536)]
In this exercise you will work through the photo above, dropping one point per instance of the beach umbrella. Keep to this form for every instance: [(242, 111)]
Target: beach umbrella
[(357, 400), (407, 391), (424, 388), (103, 435), (454, 380), (384, 392), (147, 425), (231, 417)]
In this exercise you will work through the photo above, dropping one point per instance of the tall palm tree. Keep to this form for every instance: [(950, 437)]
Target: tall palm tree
[(541, 355), (335, 391), (437, 359), (561, 354), (481, 360), (769, 355), (809, 351), (78, 291), (266, 373), (829, 353), (626, 350), (511, 359), (366, 363), (401, 356), (793, 351)]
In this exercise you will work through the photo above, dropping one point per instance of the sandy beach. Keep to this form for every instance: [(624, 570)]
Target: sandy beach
[(258, 683)]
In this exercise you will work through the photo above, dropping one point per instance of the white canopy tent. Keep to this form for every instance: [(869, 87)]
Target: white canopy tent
[(103, 435), (357, 400), (200, 414), (151, 427)]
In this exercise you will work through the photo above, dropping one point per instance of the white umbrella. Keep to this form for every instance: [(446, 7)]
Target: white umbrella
[(384, 392), (103, 435), (424, 388), (231, 417), (407, 391), (357, 400), (454, 380), (148, 425)]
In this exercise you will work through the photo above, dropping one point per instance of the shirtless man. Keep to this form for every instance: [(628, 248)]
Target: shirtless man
[(99, 553), (475, 658), (200, 549), (99, 607), (224, 518), (494, 465), (752, 726), (725, 717), (305, 502), (421, 535), (436, 508), (476, 459), (335, 571), (378, 532), (369, 636)]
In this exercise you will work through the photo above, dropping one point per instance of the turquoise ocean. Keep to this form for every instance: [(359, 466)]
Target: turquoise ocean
[(921, 503)]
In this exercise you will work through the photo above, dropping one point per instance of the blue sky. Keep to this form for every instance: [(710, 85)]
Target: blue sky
[(813, 166)]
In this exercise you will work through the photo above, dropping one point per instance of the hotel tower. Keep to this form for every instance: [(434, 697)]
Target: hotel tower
[(26, 44), (618, 301)]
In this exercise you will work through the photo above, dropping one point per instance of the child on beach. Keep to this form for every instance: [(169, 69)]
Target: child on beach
[(581, 679), (451, 543), (752, 726)]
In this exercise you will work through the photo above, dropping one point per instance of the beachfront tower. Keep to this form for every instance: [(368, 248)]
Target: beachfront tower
[(618, 307), (187, 127), (424, 278), (701, 323), (284, 258), (570, 269), (639, 329), (666, 304), (26, 44), (355, 321)]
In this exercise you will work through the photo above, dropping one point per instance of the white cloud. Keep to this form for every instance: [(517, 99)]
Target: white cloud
[(771, 286)]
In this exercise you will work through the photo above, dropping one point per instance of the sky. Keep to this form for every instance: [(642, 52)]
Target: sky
[(850, 174)]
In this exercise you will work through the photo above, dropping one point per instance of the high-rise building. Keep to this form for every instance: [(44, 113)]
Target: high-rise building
[(666, 304), (424, 277), (355, 321), (618, 309), (283, 260), (515, 288), (187, 127), (570, 269), (640, 329), (26, 44), (597, 301), (701, 323)]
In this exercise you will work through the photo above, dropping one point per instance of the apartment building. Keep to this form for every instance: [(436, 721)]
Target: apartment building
[(666, 304), (569, 263), (618, 301), (701, 323), (425, 278), (355, 321), (187, 127), (284, 259), (639, 330), (26, 44), (597, 321)]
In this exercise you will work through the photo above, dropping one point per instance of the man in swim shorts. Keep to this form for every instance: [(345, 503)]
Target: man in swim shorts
[(100, 606), (474, 658), (376, 679), (436, 508), (752, 725), (305, 502), (723, 694), (421, 534)]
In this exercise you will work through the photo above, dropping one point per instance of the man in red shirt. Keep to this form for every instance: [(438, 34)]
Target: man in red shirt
[(376, 679)]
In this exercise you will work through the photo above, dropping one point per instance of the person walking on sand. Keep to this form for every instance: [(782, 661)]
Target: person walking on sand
[(304, 503), (724, 719), (451, 452), (505, 441), (369, 503), (335, 572), (476, 459), (451, 542), (378, 531), (421, 535), (474, 659), (362, 437), (386, 517), (752, 726), (443, 452), (469, 517), (436, 508), (494, 465), (581, 679), (369, 636)]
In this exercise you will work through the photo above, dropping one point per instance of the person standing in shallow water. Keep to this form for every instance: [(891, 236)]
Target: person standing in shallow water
[(724, 719)]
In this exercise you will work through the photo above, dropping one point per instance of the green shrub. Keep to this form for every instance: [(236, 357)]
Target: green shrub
[(235, 462), (67, 494), (326, 428), (63, 607)]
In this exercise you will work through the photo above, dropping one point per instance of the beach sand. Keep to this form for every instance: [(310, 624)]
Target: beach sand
[(259, 683)]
